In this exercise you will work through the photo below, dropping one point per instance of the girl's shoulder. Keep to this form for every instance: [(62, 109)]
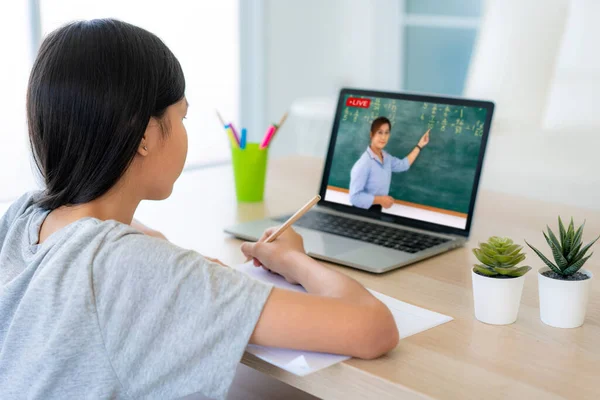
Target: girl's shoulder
[(26, 204), (22, 204)]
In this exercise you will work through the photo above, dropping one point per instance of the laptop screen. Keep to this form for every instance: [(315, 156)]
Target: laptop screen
[(377, 165)]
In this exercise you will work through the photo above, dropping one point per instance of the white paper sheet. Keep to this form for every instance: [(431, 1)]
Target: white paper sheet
[(409, 319)]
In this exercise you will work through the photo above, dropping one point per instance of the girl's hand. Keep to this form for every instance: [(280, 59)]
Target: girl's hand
[(424, 139), (279, 256)]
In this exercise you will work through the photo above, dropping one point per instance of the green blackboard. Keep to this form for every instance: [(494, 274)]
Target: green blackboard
[(443, 174)]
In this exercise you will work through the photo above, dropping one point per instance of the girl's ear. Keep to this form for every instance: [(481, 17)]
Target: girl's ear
[(143, 147), (151, 137)]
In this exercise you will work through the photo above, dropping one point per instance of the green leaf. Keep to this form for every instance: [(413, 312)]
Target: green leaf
[(573, 253), (570, 236), (553, 239), (481, 256), (488, 250), (513, 271), (561, 228), (575, 267), (514, 250), (500, 244), (512, 261), (545, 260), (561, 261), (503, 259), (495, 241), (484, 270), (578, 235), (582, 252)]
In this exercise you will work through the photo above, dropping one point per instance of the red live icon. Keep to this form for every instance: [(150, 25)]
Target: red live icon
[(356, 102)]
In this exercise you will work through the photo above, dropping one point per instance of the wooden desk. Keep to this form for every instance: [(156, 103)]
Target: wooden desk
[(463, 359)]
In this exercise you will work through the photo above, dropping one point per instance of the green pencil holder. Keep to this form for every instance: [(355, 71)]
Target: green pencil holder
[(249, 172)]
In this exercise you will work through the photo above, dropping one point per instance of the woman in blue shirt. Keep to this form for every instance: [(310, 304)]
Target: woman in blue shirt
[(371, 175)]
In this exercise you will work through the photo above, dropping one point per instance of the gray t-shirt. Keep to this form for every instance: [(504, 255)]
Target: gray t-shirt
[(101, 311)]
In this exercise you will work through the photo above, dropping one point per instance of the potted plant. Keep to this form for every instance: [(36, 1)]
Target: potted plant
[(563, 285), (498, 281)]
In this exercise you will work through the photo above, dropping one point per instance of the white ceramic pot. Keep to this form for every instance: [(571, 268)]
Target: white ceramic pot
[(497, 300), (563, 304)]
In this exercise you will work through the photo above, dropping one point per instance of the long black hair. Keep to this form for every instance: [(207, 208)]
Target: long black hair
[(93, 88)]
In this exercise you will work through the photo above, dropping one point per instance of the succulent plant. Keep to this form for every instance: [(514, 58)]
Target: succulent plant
[(568, 253), (500, 257)]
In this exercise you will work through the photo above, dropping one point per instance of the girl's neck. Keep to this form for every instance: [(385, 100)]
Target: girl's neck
[(115, 205)]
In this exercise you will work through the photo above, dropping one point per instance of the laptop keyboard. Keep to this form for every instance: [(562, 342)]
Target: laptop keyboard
[(381, 235)]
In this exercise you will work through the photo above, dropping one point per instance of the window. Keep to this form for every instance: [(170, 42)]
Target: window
[(16, 43), (203, 35), (438, 41)]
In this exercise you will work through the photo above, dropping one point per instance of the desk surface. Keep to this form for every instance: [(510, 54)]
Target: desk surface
[(463, 359)]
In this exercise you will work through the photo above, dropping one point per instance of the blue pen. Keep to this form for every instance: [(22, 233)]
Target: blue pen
[(243, 139)]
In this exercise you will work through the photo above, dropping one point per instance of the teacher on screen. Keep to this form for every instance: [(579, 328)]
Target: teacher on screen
[(371, 175)]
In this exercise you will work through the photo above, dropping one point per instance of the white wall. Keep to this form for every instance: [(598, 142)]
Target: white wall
[(314, 47), (15, 41)]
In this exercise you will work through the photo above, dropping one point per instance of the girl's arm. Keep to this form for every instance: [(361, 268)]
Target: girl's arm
[(337, 315)]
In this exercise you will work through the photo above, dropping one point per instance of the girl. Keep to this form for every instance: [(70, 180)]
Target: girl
[(92, 307)]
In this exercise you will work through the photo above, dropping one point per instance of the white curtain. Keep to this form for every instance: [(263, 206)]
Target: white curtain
[(514, 60), (573, 98)]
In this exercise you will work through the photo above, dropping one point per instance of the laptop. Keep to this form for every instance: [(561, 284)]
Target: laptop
[(386, 203)]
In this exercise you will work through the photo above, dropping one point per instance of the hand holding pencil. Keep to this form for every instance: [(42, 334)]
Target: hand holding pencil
[(275, 257), (280, 247)]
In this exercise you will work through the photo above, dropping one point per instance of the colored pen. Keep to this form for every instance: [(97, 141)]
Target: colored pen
[(267, 138), (235, 134), (243, 139), (232, 140), (230, 130)]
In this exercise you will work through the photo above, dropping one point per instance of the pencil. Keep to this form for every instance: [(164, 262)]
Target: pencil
[(220, 118), (282, 120), (294, 218), (230, 129), (277, 127)]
